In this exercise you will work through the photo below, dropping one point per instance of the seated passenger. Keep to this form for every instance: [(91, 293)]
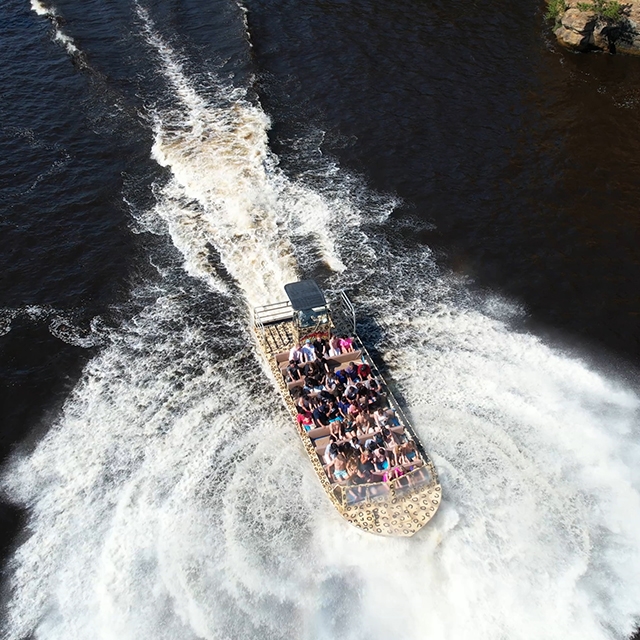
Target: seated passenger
[(292, 372), (355, 443), (341, 377), (323, 364), (395, 439), (373, 385), (370, 443), (361, 476), (310, 369), (332, 411), (304, 401), (366, 430), (374, 400), (364, 418), (335, 429), (380, 461), (334, 346), (343, 407), (339, 465), (308, 352), (375, 390), (353, 462), (391, 442), (377, 395), (330, 453), (362, 393), (408, 455), (294, 392), (340, 472), (352, 372), (331, 382), (349, 428), (320, 417), (295, 353), (346, 344), (366, 465), (304, 419), (382, 417), (393, 474), (320, 347), (351, 393), (364, 371), (313, 384)]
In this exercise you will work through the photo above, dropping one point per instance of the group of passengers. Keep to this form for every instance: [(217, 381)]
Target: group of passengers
[(363, 446)]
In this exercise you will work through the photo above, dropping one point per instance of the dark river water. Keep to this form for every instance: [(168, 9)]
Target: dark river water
[(166, 166)]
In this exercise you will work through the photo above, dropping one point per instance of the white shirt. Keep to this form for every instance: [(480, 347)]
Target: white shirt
[(328, 457), (308, 352), (381, 420)]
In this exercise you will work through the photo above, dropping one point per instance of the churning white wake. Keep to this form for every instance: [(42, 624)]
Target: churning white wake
[(227, 190), (171, 498), (59, 35), (62, 324)]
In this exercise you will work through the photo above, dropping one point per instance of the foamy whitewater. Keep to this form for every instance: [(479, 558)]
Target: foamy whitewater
[(172, 499), (58, 33), (227, 189)]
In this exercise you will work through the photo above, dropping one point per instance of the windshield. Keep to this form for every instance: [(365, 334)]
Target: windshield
[(313, 317)]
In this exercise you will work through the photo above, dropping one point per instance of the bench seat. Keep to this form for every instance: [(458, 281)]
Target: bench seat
[(334, 361), (322, 443), (346, 358), (318, 432)]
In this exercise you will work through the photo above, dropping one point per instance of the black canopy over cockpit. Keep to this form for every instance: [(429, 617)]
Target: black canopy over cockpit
[(311, 316), (305, 294)]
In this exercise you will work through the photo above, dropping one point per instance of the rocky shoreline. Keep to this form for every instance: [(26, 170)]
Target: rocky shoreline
[(580, 30)]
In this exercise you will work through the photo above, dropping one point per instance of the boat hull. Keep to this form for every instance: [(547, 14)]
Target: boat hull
[(397, 508)]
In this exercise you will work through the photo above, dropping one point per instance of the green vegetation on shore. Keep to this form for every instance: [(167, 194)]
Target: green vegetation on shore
[(555, 9), (604, 10)]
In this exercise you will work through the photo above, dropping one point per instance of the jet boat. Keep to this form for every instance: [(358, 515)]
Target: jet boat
[(396, 501)]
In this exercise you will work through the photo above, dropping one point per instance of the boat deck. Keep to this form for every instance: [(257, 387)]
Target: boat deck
[(400, 507)]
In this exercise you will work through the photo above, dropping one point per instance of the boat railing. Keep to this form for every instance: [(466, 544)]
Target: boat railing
[(405, 485), (271, 313), (350, 315), (390, 397), (283, 311), (349, 309)]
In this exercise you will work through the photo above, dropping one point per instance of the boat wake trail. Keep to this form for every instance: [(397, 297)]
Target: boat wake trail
[(538, 458), (173, 470), (59, 35), (70, 326), (171, 498), (226, 188), (164, 475)]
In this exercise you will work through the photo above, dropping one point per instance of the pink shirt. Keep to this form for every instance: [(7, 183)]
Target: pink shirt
[(346, 344)]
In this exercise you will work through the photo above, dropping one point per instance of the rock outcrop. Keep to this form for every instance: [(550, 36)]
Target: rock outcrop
[(582, 31)]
